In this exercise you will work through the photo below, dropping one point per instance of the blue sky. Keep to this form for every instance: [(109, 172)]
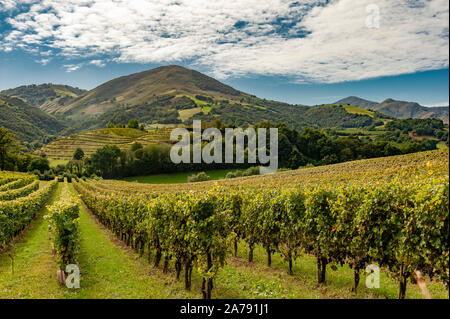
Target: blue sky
[(305, 52)]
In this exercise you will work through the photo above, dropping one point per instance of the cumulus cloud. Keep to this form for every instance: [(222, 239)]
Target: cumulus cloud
[(43, 61), (9, 5), (98, 63), (72, 67), (312, 40)]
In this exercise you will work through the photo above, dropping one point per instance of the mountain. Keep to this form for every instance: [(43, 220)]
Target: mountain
[(356, 101), (404, 110), (174, 95), (146, 87), (399, 109), (45, 96), (29, 123)]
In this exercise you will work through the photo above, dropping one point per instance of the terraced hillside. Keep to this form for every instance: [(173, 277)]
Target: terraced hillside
[(89, 142)]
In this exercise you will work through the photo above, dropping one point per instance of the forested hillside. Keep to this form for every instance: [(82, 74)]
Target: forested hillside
[(30, 124), (45, 95)]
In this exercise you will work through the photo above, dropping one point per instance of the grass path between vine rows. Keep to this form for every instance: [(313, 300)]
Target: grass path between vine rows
[(110, 270), (34, 266)]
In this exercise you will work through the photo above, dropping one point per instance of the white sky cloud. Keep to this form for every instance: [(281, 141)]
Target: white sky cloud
[(99, 63), (438, 104), (44, 61), (72, 67), (413, 35)]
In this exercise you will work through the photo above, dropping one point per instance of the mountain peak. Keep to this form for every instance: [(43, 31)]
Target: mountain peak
[(356, 101), (144, 87)]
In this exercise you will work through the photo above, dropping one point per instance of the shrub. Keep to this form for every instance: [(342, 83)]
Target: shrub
[(254, 170), (68, 177), (47, 176), (200, 177)]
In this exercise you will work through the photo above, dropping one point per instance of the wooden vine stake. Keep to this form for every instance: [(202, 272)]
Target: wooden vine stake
[(61, 277), (421, 284), (12, 263)]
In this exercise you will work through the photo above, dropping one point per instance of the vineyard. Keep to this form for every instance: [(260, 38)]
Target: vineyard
[(22, 197), (400, 223), (63, 148), (392, 212)]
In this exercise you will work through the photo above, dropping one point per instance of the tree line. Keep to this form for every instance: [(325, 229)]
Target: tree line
[(295, 149)]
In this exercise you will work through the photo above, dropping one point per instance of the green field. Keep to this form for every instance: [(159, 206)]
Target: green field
[(56, 162), (356, 110), (185, 114), (176, 178)]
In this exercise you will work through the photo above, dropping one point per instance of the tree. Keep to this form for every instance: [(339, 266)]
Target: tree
[(78, 154), (41, 164), (6, 141), (133, 124), (106, 160)]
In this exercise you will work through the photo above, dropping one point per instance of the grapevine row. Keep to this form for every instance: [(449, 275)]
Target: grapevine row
[(64, 231), (19, 192), (16, 214), (400, 226)]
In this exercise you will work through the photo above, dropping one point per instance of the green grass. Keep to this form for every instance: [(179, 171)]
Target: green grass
[(54, 162), (275, 282), (357, 110), (441, 145), (34, 266), (177, 177), (207, 109), (259, 107), (185, 114)]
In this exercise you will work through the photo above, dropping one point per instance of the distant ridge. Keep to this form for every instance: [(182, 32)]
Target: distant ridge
[(404, 110), (175, 95), (400, 109), (45, 96)]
